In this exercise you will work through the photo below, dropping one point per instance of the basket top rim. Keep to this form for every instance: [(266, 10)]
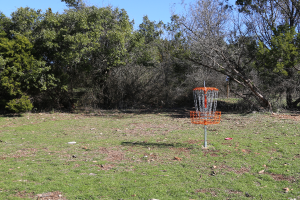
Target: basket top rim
[(205, 88)]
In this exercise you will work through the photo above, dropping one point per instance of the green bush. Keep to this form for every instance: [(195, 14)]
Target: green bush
[(20, 105)]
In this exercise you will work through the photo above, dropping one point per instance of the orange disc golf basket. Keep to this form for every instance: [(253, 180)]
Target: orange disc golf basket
[(205, 99)]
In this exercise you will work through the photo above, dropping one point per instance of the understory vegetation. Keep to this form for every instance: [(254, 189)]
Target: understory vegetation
[(92, 57)]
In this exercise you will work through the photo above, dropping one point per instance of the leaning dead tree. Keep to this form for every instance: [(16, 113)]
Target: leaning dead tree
[(217, 40), (276, 24)]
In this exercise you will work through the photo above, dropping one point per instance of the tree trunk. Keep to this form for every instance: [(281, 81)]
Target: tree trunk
[(105, 90), (259, 97), (290, 89), (289, 99)]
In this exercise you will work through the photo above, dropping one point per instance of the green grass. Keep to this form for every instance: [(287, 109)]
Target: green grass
[(148, 155)]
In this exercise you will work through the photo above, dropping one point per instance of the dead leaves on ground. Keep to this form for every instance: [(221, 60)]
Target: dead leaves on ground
[(177, 158)]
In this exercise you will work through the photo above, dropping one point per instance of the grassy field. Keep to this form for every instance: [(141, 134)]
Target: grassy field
[(148, 155)]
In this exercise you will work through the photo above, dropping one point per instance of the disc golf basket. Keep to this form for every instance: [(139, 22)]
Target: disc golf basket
[(205, 99)]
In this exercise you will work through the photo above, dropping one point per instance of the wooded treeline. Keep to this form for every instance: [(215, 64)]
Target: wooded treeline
[(90, 56)]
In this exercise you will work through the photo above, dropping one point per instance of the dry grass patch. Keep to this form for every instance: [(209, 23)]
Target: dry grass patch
[(27, 152), (295, 117), (50, 196)]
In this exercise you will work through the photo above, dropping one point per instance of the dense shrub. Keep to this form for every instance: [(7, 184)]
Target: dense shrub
[(20, 105)]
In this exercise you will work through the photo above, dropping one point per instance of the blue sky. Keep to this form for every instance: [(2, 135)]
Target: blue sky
[(155, 9)]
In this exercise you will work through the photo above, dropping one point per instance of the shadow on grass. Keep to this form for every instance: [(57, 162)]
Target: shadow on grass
[(12, 115), (159, 145), (174, 112)]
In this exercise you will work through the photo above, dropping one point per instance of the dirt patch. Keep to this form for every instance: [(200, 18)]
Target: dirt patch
[(51, 196), (211, 191), (181, 152), (212, 153), (22, 153), (24, 194), (115, 156), (112, 154), (45, 196), (280, 177), (285, 116)]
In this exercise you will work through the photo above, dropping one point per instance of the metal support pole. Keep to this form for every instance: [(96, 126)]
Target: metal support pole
[(205, 132), (205, 136)]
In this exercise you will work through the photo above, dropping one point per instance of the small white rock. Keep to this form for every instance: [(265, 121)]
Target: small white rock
[(71, 142)]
